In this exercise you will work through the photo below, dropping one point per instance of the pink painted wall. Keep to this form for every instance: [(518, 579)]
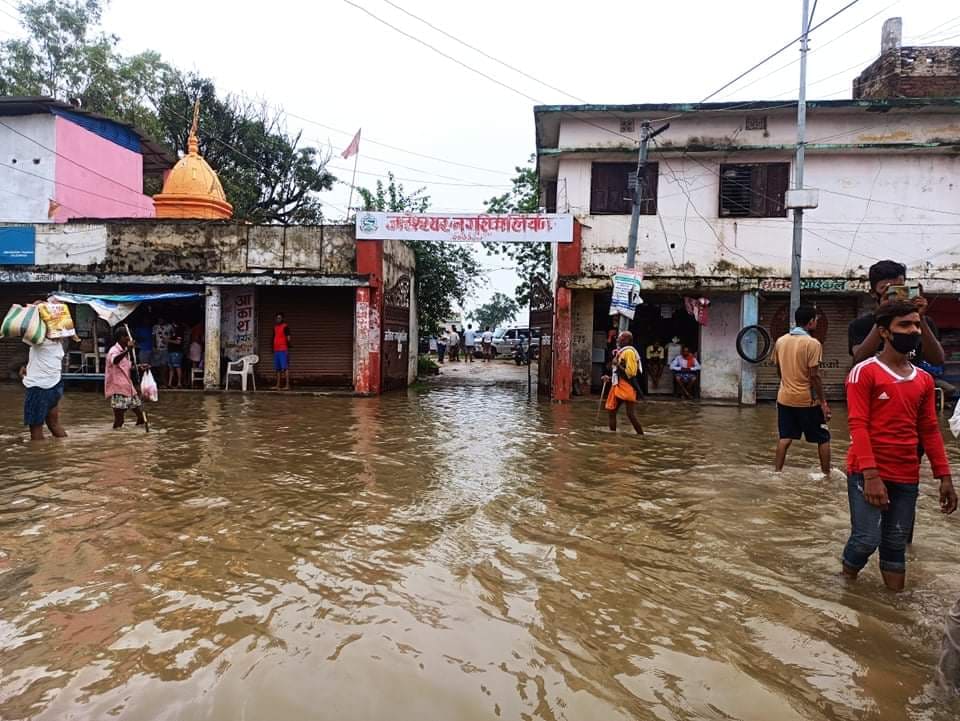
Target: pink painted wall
[(96, 178)]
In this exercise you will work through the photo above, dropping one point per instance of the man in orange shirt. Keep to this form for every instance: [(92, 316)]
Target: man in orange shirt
[(802, 407)]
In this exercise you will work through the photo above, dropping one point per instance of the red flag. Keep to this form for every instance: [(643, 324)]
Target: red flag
[(353, 148)]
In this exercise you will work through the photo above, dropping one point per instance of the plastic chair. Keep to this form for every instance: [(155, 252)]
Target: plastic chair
[(244, 369), (196, 376)]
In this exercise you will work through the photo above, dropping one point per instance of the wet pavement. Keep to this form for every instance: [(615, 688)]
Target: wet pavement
[(450, 552)]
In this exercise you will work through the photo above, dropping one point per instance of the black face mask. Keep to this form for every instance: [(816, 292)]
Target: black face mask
[(905, 343)]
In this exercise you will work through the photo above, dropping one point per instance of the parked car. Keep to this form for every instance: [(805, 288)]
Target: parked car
[(505, 340)]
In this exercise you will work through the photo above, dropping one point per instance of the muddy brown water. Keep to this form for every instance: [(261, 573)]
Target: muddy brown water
[(446, 553)]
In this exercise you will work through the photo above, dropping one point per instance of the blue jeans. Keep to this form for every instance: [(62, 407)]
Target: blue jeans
[(872, 528)]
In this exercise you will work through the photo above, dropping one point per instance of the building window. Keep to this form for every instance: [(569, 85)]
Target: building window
[(548, 195), (627, 126), (754, 190), (611, 189), (756, 122)]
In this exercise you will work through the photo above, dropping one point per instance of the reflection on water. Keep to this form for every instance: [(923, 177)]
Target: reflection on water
[(451, 553)]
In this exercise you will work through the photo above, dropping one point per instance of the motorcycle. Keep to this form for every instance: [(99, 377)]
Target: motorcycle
[(520, 356)]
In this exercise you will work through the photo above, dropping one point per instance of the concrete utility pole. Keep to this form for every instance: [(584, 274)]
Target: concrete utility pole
[(798, 166), (645, 136)]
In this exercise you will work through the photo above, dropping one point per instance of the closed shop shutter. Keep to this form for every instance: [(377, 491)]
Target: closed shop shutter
[(321, 331), (13, 352), (836, 312)]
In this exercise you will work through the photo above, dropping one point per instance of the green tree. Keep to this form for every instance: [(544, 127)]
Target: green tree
[(495, 312), (532, 259), (266, 175), (446, 272)]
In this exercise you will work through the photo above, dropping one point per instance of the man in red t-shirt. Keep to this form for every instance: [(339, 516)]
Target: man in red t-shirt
[(891, 411), (281, 347)]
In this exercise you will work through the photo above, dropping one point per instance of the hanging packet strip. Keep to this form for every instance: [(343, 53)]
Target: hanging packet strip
[(24, 322)]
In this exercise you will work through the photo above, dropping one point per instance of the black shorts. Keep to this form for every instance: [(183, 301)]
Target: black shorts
[(808, 422)]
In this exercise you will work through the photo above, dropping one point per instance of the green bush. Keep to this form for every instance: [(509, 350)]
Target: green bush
[(426, 366)]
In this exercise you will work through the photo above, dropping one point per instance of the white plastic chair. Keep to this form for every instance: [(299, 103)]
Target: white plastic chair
[(244, 369)]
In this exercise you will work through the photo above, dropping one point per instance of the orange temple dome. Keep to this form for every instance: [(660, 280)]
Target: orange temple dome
[(192, 189)]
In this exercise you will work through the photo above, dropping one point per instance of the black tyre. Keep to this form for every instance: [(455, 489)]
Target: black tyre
[(754, 344)]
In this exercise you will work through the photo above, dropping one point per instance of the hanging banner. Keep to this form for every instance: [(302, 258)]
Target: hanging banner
[(507, 228), (626, 292), (237, 326)]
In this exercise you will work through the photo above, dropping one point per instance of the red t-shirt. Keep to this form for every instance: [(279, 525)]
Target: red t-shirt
[(280, 337), (889, 418)]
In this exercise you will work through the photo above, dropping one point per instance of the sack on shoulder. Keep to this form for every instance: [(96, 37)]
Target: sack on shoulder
[(24, 322)]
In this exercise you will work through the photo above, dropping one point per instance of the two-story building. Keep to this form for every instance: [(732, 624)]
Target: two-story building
[(715, 234)]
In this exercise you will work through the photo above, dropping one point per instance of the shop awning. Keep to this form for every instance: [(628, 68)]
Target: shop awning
[(114, 308)]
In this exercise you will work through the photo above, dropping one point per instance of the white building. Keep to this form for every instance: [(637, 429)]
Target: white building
[(714, 225)]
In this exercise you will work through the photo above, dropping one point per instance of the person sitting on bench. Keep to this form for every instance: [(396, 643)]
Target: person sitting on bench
[(685, 369)]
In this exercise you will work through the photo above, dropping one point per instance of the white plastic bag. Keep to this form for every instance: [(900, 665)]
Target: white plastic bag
[(148, 387), (955, 422)]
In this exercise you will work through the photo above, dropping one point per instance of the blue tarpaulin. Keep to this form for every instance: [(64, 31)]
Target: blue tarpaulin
[(114, 308)]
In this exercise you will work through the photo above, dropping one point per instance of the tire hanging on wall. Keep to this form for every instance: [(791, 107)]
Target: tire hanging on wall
[(763, 342)]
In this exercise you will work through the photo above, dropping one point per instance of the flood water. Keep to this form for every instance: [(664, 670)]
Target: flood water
[(446, 553)]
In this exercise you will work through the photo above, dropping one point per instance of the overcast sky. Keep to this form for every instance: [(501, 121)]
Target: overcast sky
[(333, 64)]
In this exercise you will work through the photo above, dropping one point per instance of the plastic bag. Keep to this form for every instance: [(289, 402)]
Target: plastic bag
[(24, 322), (58, 320), (148, 387), (955, 422)]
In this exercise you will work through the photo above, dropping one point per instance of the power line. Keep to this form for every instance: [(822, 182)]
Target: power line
[(775, 54), (71, 160), (481, 52), (392, 147), (415, 180), (72, 187), (480, 72), (821, 47)]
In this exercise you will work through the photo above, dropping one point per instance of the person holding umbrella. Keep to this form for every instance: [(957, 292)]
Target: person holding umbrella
[(118, 384)]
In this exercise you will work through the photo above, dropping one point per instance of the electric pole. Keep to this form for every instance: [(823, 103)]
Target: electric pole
[(638, 196), (798, 167)]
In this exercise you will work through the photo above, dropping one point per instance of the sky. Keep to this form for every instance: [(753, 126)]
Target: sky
[(333, 68)]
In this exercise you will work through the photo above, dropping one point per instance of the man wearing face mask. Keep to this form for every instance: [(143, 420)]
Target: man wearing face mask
[(892, 410), (863, 334)]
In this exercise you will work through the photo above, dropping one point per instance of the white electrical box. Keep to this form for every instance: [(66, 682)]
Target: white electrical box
[(807, 198)]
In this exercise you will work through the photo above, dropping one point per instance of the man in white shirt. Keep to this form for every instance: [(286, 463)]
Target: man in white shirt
[(487, 340), (43, 379), (686, 371), (470, 342)]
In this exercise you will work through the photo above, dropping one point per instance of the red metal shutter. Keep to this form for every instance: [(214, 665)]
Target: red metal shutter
[(321, 333)]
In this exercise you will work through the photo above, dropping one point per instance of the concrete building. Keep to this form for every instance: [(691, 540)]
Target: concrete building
[(350, 304), (714, 225), (60, 162)]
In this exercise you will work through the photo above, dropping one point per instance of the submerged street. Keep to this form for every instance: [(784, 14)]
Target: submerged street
[(447, 552)]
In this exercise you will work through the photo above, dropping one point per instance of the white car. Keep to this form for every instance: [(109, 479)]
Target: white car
[(506, 339)]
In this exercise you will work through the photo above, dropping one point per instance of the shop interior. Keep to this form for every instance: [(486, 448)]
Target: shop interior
[(185, 315), (661, 317)]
